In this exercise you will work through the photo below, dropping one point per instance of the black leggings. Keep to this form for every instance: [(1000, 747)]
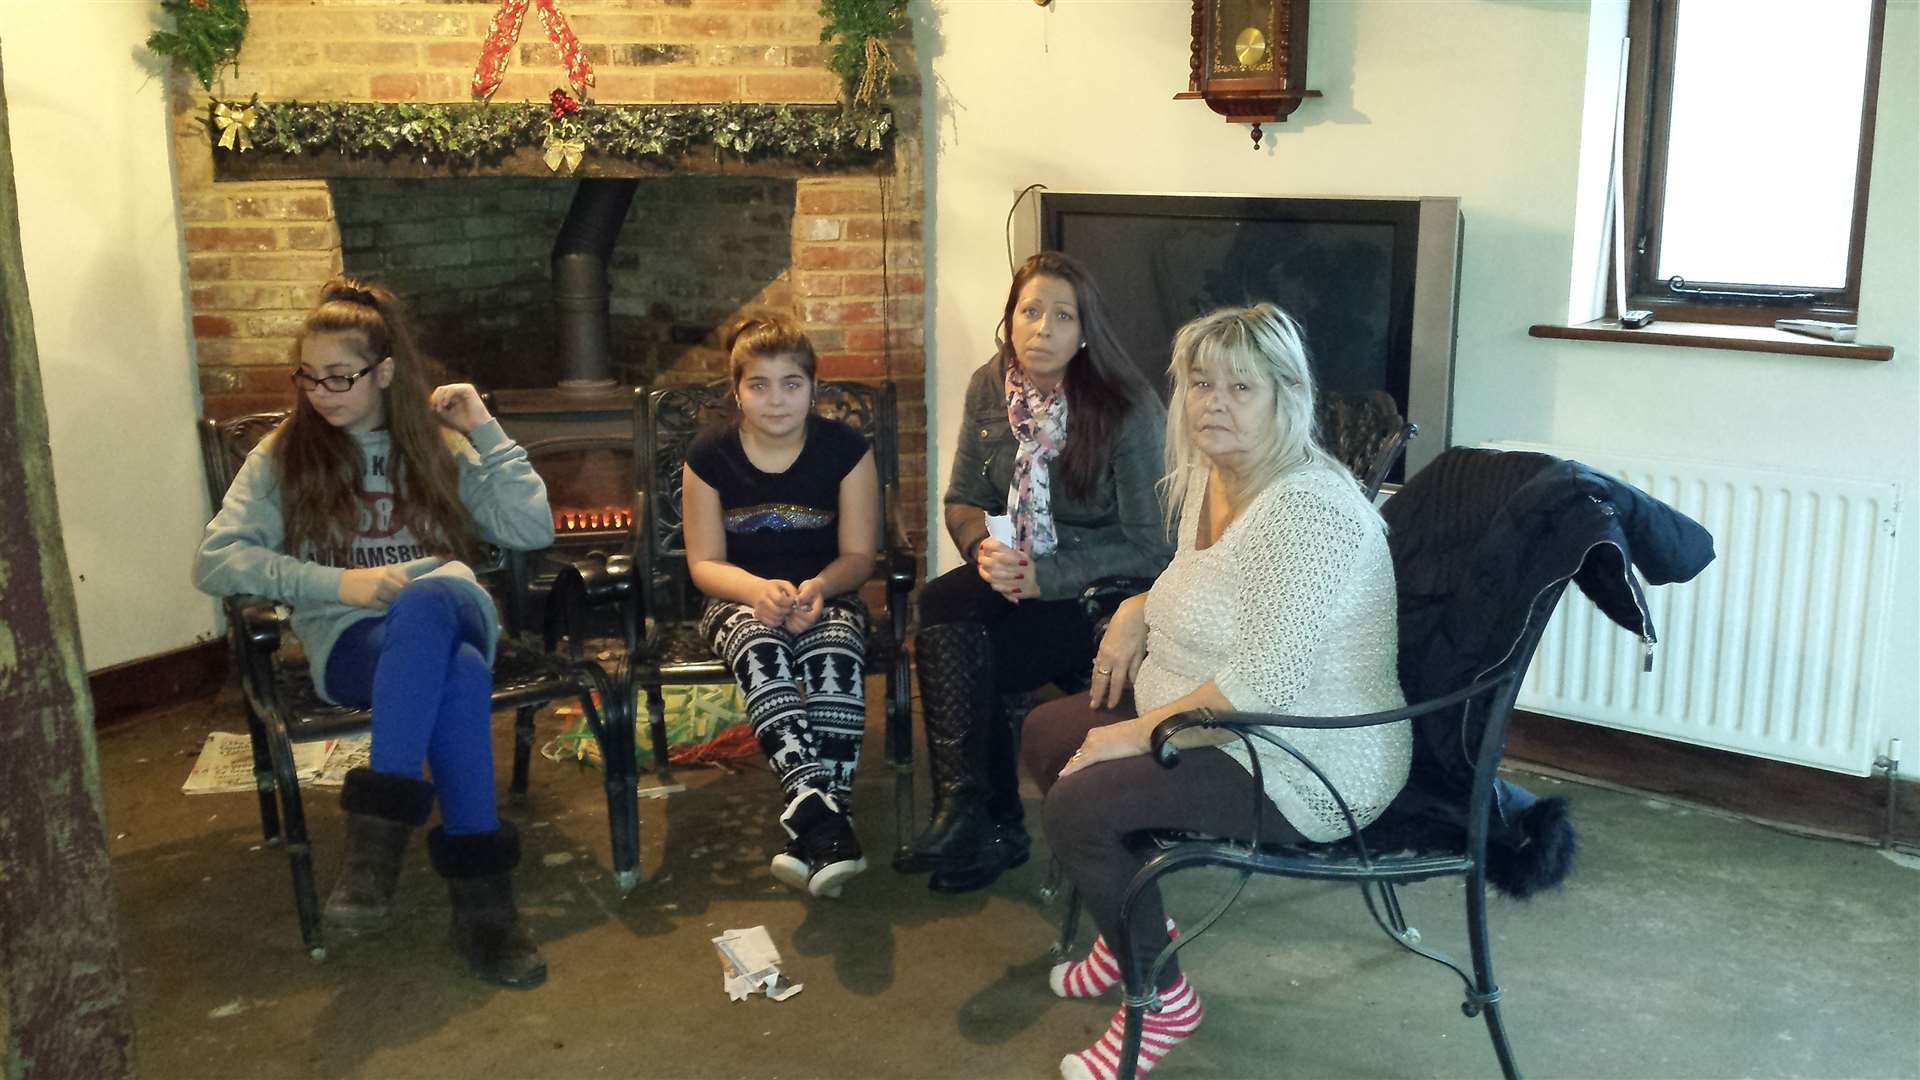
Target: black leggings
[(1035, 642), (1090, 815)]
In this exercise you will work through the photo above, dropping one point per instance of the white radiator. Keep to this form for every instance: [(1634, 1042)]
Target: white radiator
[(1774, 650)]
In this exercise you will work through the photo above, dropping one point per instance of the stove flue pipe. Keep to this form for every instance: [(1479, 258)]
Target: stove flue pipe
[(580, 286)]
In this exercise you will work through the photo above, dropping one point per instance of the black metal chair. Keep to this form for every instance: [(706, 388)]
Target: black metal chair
[(282, 708), (660, 606), (1366, 432), (1436, 828)]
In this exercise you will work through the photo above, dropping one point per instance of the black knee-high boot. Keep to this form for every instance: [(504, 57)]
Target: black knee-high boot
[(382, 812), (954, 662), (1008, 845), (486, 923)]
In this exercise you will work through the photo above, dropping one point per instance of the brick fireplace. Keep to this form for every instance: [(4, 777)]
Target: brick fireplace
[(472, 252)]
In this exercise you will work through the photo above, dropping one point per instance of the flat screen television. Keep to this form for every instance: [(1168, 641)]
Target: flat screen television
[(1373, 282)]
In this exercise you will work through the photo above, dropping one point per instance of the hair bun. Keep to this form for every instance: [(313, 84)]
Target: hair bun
[(740, 329), (347, 290)]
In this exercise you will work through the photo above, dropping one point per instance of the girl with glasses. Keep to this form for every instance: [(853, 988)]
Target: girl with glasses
[(364, 512)]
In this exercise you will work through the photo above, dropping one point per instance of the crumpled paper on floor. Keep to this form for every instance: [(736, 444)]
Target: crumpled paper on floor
[(752, 965)]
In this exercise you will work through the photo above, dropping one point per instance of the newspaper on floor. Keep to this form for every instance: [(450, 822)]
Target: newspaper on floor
[(225, 764), (349, 752), (752, 965)]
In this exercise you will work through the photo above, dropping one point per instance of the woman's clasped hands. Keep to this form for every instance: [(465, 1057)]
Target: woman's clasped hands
[(790, 607), (1008, 571)]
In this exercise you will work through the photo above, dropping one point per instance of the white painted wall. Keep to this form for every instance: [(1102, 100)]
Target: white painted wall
[(107, 275), (1480, 99)]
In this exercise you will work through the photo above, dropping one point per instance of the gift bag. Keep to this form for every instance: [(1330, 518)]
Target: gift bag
[(705, 722)]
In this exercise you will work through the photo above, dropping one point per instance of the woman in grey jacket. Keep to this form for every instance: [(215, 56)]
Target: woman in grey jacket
[(1062, 444), (362, 512)]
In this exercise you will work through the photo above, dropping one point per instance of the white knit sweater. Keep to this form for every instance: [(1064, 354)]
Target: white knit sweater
[(1291, 610)]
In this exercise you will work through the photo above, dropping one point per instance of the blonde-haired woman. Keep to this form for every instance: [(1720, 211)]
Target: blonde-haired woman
[(1280, 598)]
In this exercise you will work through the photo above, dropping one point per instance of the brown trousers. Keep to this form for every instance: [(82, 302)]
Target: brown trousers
[(1090, 816)]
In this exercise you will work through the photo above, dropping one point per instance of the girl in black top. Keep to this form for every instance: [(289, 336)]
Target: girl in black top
[(782, 519)]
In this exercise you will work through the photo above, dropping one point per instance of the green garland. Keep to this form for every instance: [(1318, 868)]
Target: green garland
[(475, 134), (859, 30), (206, 35)]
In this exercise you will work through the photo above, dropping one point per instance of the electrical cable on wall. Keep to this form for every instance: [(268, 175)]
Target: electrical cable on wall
[(1011, 210)]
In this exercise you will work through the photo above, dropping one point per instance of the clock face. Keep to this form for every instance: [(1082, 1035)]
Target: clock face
[(1246, 33)]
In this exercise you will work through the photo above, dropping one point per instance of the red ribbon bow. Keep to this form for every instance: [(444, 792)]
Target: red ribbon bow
[(504, 31)]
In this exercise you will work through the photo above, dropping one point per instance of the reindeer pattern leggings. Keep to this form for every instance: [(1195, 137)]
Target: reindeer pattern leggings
[(805, 692)]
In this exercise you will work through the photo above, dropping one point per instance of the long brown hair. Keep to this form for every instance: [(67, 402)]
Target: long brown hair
[(320, 468), (1101, 383)]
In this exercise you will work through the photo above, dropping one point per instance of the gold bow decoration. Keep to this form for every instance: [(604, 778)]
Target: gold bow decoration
[(563, 155), (233, 124)]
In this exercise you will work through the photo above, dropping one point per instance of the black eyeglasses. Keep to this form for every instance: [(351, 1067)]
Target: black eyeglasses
[(338, 384)]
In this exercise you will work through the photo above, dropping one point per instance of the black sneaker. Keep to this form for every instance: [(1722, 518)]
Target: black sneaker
[(790, 867), (823, 853)]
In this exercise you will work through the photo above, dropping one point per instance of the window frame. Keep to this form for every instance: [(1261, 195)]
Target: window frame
[(1650, 26)]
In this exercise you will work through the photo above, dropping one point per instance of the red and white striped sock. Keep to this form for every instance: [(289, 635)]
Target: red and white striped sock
[(1093, 976), (1160, 1032)]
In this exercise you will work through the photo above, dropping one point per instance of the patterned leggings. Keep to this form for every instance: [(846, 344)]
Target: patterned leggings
[(805, 692)]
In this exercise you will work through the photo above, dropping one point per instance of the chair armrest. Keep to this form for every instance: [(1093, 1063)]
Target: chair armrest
[(1168, 754), (495, 561), (1103, 595), (1384, 459), (259, 620), (594, 583), (898, 567)]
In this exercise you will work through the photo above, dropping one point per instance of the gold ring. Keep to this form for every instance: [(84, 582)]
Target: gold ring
[(1103, 671)]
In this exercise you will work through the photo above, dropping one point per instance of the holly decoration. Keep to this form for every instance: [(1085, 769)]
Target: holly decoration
[(205, 38), (859, 30), (566, 143)]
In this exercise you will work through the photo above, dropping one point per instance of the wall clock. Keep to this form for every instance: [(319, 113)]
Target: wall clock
[(1249, 60)]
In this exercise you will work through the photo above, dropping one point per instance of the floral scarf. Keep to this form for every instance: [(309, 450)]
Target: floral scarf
[(1039, 422)]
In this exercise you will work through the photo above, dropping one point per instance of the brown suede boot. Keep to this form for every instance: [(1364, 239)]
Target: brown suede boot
[(486, 925), (382, 812)]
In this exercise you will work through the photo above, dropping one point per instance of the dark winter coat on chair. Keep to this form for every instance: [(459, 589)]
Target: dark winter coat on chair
[(1495, 529)]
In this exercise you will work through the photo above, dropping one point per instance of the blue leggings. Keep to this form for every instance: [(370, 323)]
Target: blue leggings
[(423, 668)]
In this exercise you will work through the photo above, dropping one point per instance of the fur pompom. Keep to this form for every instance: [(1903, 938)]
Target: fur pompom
[(1545, 853)]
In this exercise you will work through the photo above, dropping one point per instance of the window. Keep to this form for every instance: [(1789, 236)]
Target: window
[(1749, 139)]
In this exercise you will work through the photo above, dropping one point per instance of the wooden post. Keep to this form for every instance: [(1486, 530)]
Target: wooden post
[(63, 993)]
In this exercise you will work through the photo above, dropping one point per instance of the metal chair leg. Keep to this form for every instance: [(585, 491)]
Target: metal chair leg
[(1396, 916), (1069, 919), (1486, 997), (657, 731), (609, 716), (263, 779), (306, 896), (1130, 1043), (899, 735), (522, 751), (902, 807)]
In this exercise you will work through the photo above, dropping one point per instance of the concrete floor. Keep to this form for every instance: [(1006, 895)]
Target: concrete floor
[(1686, 945)]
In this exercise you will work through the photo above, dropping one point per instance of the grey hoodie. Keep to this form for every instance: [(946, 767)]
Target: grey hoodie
[(244, 547)]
